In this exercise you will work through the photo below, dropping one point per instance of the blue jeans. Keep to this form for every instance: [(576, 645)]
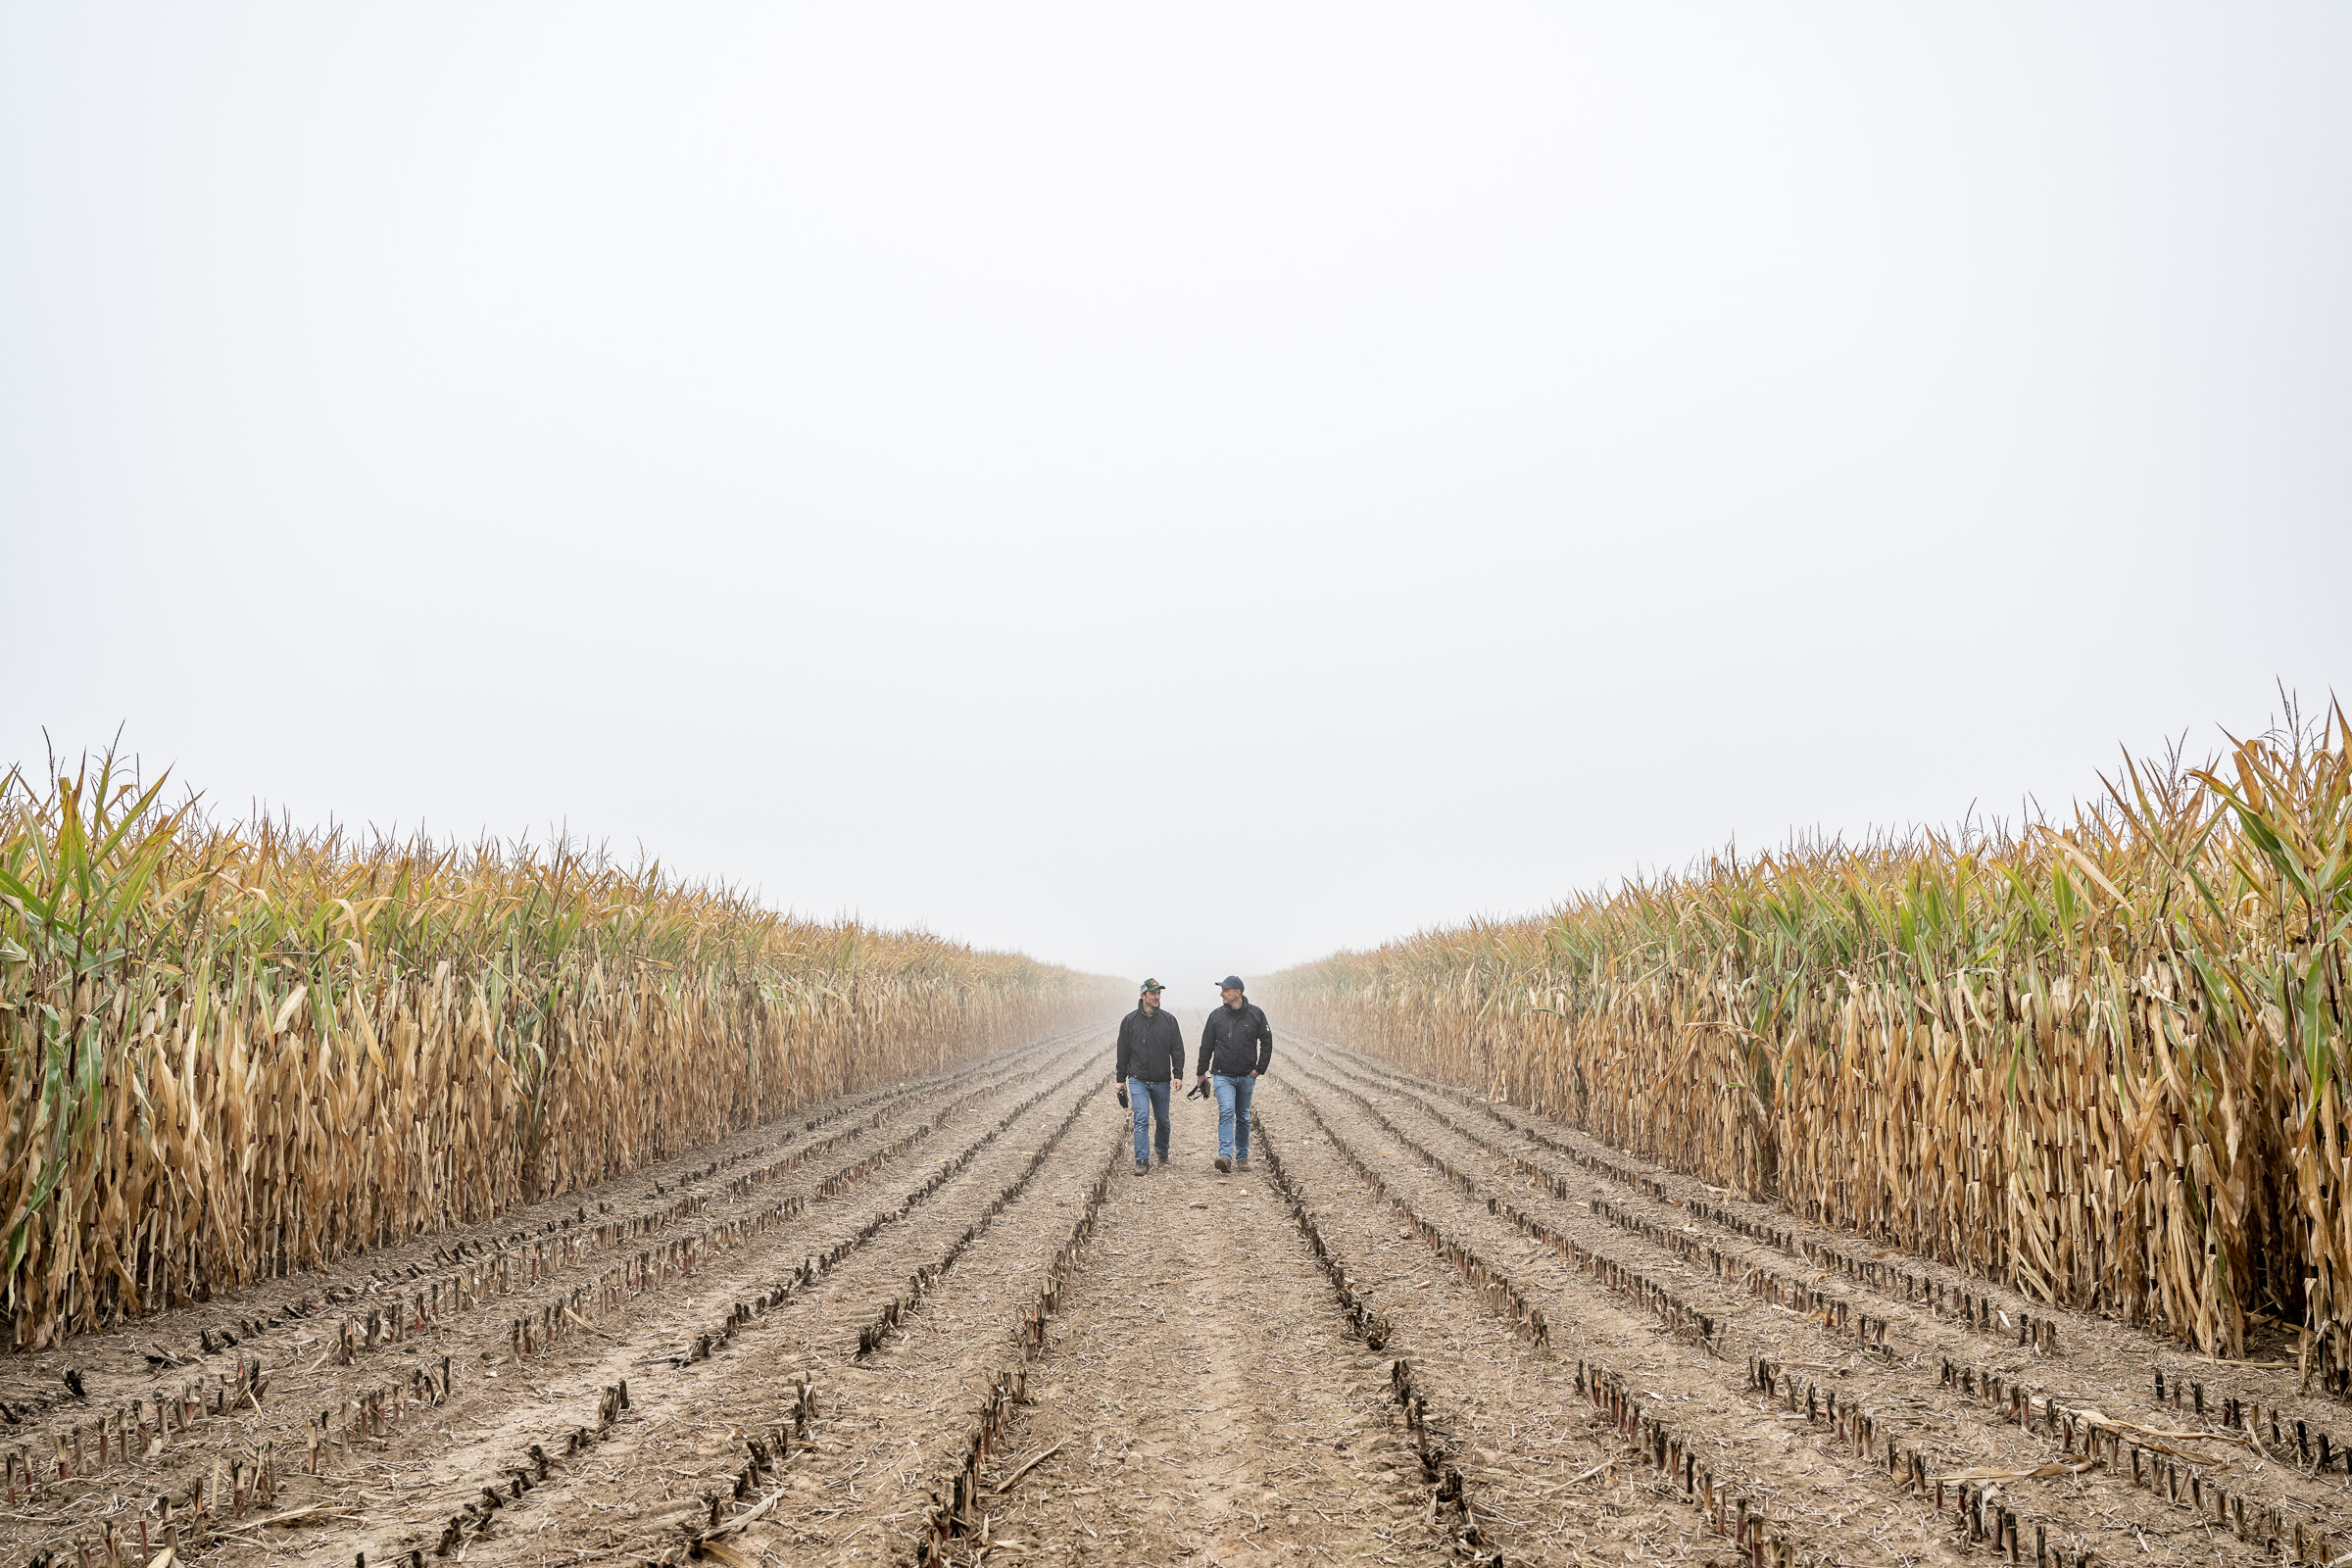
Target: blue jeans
[(1233, 1114), (1148, 1101)]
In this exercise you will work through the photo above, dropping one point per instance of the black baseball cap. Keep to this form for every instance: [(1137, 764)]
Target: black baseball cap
[(1232, 982)]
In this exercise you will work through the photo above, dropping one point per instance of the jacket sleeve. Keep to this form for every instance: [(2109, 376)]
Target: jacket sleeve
[(1265, 1043), (1207, 1033), (1119, 1069), (1175, 1050)]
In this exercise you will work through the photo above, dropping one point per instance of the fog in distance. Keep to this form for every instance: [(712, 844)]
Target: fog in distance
[(1169, 489)]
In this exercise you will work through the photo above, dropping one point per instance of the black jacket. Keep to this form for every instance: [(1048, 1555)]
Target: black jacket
[(1150, 1046), (1235, 1041)]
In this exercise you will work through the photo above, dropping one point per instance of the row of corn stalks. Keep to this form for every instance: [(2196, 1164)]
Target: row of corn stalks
[(232, 1052), (2102, 1063)]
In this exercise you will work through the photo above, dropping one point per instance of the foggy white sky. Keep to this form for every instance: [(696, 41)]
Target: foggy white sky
[(1169, 489)]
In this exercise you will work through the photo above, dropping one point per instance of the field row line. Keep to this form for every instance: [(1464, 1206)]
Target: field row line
[(895, 1313), (1976, 1312), (1678, 1315), (1832, 1311), (374, 1412), (952, 1517), (1429, 1442), (1502, 1294), (212, 1340), (510, 1268), (1980, 1520), (819, 1265), (652, 1269), (1742, 1518)]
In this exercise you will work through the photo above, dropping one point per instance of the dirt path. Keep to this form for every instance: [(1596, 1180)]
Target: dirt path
[(1202, 1402)]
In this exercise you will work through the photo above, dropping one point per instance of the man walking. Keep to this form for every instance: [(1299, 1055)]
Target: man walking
[(1235, 1046), (1150, 1059)]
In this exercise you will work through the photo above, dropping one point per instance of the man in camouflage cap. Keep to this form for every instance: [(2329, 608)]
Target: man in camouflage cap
[(1151, 1059)]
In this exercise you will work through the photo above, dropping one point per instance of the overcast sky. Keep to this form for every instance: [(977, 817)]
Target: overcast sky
[(1172, 488)]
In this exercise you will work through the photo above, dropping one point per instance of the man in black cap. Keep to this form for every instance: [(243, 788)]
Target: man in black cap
[(1235, 1046), (1151, 1059)]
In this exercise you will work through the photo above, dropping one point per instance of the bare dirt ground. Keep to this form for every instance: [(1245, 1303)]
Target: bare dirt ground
[(945, 1322)]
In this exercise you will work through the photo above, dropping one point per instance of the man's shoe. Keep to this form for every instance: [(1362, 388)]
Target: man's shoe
[(1141, 1168), (1163, 1159), (1242, 1162), (1224, 1164)]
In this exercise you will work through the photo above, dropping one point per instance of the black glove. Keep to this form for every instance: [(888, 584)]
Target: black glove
[(1198, 1090), (1123, 1105)]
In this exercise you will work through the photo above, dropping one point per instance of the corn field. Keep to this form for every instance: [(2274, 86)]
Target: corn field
[(236, 1052), (2103, 1064)]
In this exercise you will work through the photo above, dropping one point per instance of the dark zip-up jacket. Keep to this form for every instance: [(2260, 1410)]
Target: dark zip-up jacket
[(1235, 1041), (1150, 1046)]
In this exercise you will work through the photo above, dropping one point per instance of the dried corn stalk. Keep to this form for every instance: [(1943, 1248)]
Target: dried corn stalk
[(236, 1052), (2103, 1064)]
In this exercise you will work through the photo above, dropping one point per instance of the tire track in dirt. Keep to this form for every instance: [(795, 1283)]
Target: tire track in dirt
[(1983, 1432)]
